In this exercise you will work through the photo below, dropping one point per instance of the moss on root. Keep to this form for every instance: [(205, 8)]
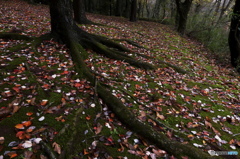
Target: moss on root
[(129, 119)]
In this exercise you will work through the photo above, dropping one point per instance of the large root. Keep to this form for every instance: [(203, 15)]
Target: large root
[(118, 108), (127, 117)]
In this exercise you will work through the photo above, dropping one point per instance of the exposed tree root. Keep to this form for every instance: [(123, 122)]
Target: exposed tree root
[(14, 36), (128, 118), (33, 42), (111, 50), (176, 68), (118, 108), (133, 43)]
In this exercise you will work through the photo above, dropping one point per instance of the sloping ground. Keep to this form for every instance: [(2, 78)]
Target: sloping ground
[(42, 97)]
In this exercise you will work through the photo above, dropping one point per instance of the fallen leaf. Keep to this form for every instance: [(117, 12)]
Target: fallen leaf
[(98, 128), (15, 108), (12, 154), (208, 124), (19, 126), (27, 123), (160, 116), (41, 118), (2, 140), (38, 131), (57, 147), (29, 113), (44, 102), (20, 135), (27, 144)]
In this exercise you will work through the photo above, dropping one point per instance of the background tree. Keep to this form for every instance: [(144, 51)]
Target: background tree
[(119, 8), (183, 8), (156, 9), (234, 36), (79, 12), (133, 14)]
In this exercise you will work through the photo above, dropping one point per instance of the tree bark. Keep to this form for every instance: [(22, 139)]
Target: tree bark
[(118, 10), (182, 14), (79, 12), (127, 8), (234, 36), (133, 15), (156, 9)]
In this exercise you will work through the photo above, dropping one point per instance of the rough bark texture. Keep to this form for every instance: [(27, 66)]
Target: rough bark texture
[(118, 10), (182, 15), (156, 9), (79, 12), (133, 15), (234, 36)]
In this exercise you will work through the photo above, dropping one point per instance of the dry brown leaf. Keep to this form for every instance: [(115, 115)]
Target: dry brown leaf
[(19, 126), (38, 131), (16, 108), (57, 147), (2, 140), (216, 132), (44, 102), (208, 124), (169, 134), (98, 128), (160, 116)]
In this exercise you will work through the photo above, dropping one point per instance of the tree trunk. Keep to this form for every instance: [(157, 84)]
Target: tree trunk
[(147, 9), (234, 36), (182, 15), (133, 15), (79, 12), (127, 9), (156, 9), (118, 10)]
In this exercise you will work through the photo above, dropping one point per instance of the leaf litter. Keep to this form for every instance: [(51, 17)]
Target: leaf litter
[(203, 104)]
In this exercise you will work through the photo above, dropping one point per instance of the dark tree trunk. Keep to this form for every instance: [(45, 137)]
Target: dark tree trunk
[(234, 36), (133, 15), (156, 9), (139, 9), (127, 8), (182, 15), (147, 9), (79, 12), (118, 10), (61, 17)]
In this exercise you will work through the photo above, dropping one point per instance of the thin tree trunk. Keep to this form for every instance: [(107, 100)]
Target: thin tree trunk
[(133, 15), (182, 14), (234, 36), (147, 9), (118, 10), (127, 9), (156, 9)]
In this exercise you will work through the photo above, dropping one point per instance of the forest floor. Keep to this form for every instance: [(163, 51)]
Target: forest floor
[(40, 91)]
